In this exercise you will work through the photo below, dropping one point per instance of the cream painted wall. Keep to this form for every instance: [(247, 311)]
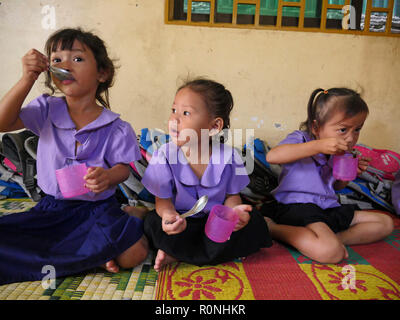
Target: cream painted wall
[(270, 73)]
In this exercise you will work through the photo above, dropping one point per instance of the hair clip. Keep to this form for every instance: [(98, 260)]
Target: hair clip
[(325, 91)]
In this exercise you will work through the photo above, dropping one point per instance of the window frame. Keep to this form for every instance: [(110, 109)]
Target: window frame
[(174, 14)]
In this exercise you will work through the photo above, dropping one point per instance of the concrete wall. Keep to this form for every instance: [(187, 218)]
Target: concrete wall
[(270, 73)]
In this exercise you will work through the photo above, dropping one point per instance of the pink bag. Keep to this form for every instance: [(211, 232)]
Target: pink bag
[(384, 163)]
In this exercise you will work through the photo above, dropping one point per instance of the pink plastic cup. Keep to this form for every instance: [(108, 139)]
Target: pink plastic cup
[(345, 167), (220, 223), (70, 180)]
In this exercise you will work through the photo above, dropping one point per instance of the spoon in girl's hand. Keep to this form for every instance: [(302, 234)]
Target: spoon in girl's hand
[(198, 206), (61, 74)]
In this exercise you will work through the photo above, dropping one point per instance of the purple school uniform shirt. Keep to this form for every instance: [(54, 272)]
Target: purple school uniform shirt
[(169, 175), (104, 142), (307, 180)]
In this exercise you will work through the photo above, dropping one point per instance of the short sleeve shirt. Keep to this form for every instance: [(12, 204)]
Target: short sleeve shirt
[(104, 142), (169, 175), (307, 180)]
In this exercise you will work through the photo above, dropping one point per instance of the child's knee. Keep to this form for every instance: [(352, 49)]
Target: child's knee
[(330, 252), (387, 225), (332, 255)]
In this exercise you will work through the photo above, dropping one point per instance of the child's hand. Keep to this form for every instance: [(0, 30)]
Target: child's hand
[(33, 64), (333, 146), (97, 179), (243, 211), (363, 163), (173, 224)]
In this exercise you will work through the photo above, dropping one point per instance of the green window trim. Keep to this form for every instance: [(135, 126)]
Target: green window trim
[(267, 8), (372, 17), (270, 8)]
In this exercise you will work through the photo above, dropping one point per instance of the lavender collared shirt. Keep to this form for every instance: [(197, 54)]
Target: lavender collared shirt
[(104, 142), (307, 180), (169, 175)]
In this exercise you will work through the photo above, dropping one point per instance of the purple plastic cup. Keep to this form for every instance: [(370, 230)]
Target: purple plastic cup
[(70, 180), (345, 167), (220, 223)]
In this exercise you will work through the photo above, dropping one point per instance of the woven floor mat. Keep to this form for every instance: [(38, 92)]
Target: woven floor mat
[(9, 206), (278, 273), (371, 272), (97, 284)]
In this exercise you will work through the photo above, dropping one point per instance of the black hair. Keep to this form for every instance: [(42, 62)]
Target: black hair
[(217, 98), (65, 38), (323, 103)]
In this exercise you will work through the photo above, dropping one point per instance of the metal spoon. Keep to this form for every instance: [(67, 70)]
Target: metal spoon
[(198, 206), (61, 74)]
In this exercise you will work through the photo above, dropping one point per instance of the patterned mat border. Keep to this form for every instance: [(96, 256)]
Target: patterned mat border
[(129, 284)]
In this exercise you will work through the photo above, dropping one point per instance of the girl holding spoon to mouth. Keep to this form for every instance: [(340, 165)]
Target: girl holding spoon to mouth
[(88, 230)]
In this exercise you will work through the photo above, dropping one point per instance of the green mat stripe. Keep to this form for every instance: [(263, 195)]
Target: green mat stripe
[(149, 289), (123, 283), (131, 285), (141, 282), (128, 284)]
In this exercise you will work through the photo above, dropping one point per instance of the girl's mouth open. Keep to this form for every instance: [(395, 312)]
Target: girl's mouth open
[(66, 82)]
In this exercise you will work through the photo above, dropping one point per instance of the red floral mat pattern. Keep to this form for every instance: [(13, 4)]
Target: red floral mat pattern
[(282, 273)]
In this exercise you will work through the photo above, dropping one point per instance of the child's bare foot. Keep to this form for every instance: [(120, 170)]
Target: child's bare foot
[(111, 266), (138, 212), (162, 259)]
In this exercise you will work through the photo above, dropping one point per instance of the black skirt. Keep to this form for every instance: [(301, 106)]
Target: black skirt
[(194, 247)]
